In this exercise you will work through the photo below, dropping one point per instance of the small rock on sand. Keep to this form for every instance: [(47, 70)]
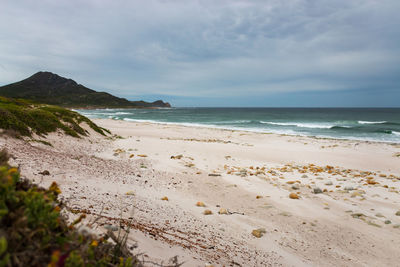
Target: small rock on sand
[(348, 188), (258, 232), (223, 211), (293, 196), (45, 172), (329, 183), (304, 176), (177, 157), (295, 187), (398, 213), (130, 193), (207, 212), (317, 190), (214, 174), (164, 198), (258, 197), (200, 204)]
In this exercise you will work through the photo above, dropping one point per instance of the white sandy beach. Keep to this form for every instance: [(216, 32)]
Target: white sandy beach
[(352, 222)]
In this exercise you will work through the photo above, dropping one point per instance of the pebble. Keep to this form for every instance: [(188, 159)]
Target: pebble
[(388, 222), (348, 188), (45, 172), (329, 183), (207, 212), (304, 176), (379, 215), (130, 193), (200, 204), (295, 187), (165, 198), (293, 196), (258, 232), (223, 211), (398, 213), (317, 190)]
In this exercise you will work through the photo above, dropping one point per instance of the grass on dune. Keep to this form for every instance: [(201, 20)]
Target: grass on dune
[(25, 117)]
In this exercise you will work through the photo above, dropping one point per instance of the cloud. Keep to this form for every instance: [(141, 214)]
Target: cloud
[(205, 48)]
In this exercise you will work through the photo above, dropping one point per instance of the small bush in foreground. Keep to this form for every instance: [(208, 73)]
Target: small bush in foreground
[(33, 232)]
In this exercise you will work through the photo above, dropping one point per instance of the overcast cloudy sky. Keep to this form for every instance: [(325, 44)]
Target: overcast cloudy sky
[(211, 53)]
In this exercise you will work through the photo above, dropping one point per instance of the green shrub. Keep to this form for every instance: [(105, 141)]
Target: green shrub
[(25, 117), (34, 233)]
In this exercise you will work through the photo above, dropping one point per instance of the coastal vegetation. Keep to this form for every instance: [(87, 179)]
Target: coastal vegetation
[(21, 117), (33, 231)]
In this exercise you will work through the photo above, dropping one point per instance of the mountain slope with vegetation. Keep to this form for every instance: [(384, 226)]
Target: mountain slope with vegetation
[(50, 88)]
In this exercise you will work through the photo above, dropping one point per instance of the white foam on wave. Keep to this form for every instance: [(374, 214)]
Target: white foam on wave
[(371, 122), (261, 130), (396, 133), (301, 125), (235, 121)]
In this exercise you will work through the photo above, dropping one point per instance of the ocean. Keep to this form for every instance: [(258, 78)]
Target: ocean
[(370, 124)]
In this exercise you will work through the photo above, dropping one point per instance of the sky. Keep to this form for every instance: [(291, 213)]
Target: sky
[(270, 53)]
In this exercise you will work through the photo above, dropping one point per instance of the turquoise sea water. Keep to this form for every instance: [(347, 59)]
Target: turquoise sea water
[(373, 124)]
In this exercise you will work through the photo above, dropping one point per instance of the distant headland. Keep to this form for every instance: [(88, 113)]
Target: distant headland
[(50, 88)]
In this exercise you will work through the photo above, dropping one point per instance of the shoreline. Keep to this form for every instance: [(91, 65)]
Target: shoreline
[(194, 125), (154, 175)]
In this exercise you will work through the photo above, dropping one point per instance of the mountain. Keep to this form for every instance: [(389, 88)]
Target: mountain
[(49, 88)]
